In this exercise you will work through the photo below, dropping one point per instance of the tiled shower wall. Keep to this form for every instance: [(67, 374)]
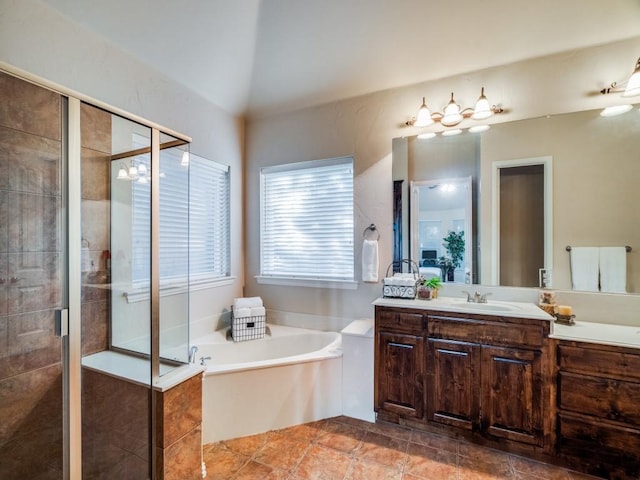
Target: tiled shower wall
[(30, 281)]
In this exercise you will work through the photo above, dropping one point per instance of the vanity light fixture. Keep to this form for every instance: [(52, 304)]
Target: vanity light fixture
[(632, 89), (633, 84), (185, 159), (453, 113)]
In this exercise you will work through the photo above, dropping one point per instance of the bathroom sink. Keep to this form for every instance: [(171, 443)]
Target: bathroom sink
[(486, 307)]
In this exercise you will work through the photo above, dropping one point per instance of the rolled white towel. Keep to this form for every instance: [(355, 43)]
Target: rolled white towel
[(258, 311), (241, 312), (247, 302)]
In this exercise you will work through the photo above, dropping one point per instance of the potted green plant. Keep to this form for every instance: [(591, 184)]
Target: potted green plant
[(453, 243), (428, 289), (433, 284)]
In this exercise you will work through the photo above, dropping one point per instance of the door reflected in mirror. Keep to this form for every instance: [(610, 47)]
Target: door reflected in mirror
[(444, 228)]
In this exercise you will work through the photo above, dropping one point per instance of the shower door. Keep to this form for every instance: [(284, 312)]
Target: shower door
[(32, 280)]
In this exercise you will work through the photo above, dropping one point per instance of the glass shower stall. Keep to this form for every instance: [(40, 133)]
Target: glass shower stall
[(93, 283)]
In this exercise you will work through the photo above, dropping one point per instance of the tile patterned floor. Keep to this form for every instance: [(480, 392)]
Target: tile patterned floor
[(344, 448)]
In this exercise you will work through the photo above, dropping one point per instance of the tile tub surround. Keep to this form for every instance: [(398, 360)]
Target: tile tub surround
[(345, 448)]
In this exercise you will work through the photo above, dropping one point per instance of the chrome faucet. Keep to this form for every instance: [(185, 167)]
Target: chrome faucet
[(192, 354), (203, 361), (477, 297)]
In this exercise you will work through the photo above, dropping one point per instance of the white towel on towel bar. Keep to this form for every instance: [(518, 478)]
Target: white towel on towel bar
[(370, 263), (584, 268), (613, 269)]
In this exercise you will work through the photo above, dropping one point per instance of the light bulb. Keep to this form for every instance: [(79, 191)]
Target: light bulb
[(452, 115), (122, 174), (633, 85), (482, 109), (423, 118)]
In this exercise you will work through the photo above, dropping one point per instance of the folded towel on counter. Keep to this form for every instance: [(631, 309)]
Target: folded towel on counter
[(585, 268), (258, 311), (241, 312), (613, 269), (370, 263), (247, 302)]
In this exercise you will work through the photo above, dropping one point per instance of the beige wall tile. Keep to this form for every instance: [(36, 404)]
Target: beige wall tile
[(96, 173), (179, 410), (29, 108), (95, 128), (29, 163)]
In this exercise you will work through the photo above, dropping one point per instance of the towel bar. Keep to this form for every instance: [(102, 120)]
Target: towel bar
[(627, 248)]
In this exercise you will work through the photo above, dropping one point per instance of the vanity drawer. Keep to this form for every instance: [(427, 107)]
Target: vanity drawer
[(591, 439), (486, 332), (399, 321), (599, 361), (601, 397)]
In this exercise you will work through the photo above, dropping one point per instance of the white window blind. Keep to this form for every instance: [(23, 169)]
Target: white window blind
[(307, 220), (194, 221), (210, 230)]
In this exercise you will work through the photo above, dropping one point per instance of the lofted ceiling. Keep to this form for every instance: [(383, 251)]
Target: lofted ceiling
[(258, 57)]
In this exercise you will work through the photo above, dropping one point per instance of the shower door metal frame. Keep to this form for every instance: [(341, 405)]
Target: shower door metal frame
[(72, 342)]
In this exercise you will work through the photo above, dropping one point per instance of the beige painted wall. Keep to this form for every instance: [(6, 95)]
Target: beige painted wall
[(365, 126)]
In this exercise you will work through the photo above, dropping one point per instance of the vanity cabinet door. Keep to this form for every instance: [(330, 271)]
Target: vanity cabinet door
[(453, 383), (512, 386), (400, 374)]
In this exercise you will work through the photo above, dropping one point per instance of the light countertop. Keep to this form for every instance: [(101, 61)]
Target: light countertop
[(581, 331), (458, 305), (137, 370), (602, 333)]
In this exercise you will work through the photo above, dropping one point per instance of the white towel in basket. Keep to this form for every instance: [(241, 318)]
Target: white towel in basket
[(247, 302), (241, 312), (258, 311)]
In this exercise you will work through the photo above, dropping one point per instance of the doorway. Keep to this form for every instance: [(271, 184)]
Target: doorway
[(522, 221)]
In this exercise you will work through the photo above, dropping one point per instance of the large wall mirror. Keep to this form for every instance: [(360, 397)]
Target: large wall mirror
[(590, 170)]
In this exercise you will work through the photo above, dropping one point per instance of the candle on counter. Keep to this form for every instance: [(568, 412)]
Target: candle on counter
[(565, 310)]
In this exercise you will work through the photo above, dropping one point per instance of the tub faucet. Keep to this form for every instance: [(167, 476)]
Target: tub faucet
[(192, 354), (203, 361)]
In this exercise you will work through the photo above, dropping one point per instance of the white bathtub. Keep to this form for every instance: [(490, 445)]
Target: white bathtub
[(291, 376)]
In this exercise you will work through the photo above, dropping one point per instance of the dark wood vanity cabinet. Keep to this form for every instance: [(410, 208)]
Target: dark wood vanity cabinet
[(399, 364), (486, 374), (599, 408), (479, 374)]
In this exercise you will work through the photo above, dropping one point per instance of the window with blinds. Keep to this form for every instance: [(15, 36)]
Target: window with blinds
[(307, 220), (194, 221)]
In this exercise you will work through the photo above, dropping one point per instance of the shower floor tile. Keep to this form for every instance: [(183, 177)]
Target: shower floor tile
[(345, 448)]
